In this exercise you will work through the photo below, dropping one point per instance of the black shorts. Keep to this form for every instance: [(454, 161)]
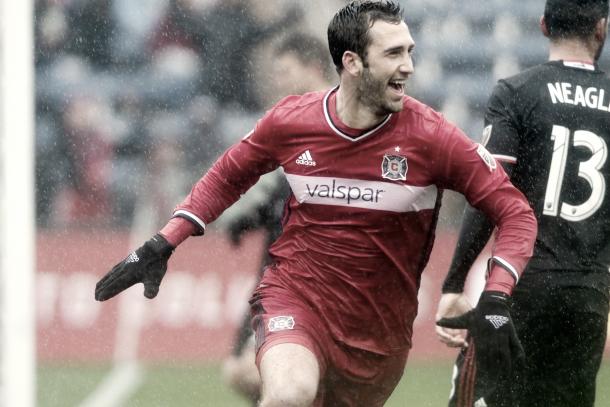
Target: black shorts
[(563, 332)]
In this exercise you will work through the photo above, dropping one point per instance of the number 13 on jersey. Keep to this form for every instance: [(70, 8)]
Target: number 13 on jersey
[(589, 170)]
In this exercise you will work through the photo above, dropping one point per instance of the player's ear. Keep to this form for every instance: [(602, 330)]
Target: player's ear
[(543, 27), (352, 63), (601, 29)]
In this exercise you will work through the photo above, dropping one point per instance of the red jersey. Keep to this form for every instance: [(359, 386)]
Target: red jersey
[(359, 225)]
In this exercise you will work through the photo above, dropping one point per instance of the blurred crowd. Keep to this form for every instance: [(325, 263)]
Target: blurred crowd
[(136, 98)]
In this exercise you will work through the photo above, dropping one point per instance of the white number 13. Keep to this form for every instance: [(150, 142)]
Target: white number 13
[(589, 170)]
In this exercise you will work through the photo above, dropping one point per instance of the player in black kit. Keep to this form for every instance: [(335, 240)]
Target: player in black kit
[(549, 126)]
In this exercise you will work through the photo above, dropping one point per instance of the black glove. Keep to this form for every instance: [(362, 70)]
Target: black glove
[(146, 265), (497, 347)]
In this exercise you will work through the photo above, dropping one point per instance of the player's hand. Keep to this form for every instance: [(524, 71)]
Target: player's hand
[(452, 305), (497, 347), (146, 265)]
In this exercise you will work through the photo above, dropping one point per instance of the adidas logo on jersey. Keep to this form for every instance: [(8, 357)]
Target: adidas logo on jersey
[(496, 320), (306, 159)]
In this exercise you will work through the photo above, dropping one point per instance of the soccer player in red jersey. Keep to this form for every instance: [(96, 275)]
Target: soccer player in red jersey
[(333, 313)]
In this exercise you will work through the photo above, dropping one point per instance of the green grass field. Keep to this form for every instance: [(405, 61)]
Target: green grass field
[(424, 385)]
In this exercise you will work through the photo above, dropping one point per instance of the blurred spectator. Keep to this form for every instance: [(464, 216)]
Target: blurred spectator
[(51, 164), (87, 127), (165, 172), (225, 34), (92, 29), (301, 64), (204, 139), (135, 21), (50, 30)]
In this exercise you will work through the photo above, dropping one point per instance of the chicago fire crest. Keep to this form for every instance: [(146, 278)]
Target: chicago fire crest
[(394, 167)]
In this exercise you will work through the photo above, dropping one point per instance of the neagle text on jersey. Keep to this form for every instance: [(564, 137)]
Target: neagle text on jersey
[(568, 93)]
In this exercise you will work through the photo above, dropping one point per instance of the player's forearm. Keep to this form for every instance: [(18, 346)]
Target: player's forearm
[(515, 238), (178, 230), (474, 235), (230, 176)]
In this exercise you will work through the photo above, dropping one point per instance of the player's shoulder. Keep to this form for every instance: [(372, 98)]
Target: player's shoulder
[(417, 111), (421, 120), (525, 78)]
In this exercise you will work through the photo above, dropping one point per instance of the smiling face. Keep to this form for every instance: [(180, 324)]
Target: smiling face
[(386, 67)]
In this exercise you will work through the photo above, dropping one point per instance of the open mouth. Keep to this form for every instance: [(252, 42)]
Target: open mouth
[(398, 87)]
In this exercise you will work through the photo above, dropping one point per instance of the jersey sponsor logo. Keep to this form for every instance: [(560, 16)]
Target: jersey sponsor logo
[(350, 193), (394, 167), (497, 321), (306, 159), (487, 158), (568, 93), (376, 195), (281, 323)]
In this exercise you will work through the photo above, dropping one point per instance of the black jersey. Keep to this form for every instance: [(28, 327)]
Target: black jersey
[(552, 122)]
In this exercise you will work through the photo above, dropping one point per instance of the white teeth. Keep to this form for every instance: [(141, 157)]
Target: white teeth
[(398, 85)]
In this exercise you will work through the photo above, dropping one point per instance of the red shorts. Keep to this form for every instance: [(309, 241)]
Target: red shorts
[(349, 376)]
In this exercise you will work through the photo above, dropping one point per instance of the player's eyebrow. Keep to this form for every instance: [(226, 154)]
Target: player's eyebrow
[(399, 48)]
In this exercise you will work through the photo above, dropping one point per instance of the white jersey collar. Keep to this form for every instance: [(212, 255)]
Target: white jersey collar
[(341, 133), (579, 65)]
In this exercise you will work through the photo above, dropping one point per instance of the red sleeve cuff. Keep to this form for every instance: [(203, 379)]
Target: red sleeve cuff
[(177, 231), (500, 280)]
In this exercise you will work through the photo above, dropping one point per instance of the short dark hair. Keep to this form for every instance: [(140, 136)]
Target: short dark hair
[(349, 28), (573, 18), (308, 49)]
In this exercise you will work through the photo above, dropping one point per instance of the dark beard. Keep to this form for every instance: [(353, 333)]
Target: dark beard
[(371, 93)]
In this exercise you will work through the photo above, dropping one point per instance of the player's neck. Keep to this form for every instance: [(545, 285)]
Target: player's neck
[(352, 112), (571, 50)]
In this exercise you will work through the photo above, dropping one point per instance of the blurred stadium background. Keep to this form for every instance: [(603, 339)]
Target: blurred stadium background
[(133, 100)]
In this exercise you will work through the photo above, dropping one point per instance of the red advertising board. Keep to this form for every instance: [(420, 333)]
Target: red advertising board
[(202, 299)]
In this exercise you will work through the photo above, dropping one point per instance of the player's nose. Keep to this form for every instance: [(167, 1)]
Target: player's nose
[(406, 65)]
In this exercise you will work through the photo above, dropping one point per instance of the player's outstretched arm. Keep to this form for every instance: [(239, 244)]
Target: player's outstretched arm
[(146, 265)]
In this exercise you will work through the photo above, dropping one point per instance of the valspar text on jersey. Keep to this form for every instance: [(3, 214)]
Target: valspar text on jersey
[(347, 192)]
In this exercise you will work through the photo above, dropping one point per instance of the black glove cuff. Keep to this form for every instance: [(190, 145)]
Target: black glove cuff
[(160, 246), (497, 297)]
